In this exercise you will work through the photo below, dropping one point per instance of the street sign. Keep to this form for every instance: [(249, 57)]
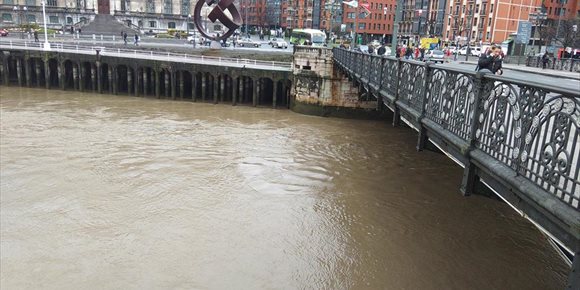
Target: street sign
[(524, 32)]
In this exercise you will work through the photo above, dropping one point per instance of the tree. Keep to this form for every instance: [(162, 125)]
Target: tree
[(547, 33), (569, 33)]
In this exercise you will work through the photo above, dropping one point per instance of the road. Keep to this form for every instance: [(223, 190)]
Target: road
[(570, 84)]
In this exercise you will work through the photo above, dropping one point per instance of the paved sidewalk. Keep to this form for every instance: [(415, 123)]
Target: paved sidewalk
[(536, 70)]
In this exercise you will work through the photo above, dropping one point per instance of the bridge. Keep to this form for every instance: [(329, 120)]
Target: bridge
[(146, 73), (520, 139), (517, 138)]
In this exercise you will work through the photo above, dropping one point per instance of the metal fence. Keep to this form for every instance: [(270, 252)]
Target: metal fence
[(532, 129), (568, 64), (153, 55)]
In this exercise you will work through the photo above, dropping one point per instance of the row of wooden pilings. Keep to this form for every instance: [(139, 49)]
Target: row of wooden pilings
[(146, 78)]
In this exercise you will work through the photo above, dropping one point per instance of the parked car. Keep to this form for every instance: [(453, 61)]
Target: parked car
[(279, 43), (476, 51), (435, 56), (452, 49), (195, 39), (3, 32), (248, 43), (462, 51)]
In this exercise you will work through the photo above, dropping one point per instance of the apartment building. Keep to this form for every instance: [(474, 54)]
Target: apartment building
[(486, 21), (378, 24)]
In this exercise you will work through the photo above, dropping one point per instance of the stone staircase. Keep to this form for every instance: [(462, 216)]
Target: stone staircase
[(107, 24)]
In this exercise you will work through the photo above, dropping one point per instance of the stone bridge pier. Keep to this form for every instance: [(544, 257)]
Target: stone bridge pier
[(320, 88)]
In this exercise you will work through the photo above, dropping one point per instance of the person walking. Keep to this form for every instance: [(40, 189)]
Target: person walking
[(409, 53), (35, 36), (136, 39), (545, 60), (125, 37)]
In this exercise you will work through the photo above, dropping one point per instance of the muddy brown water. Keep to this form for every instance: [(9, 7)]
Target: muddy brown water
[(116, 192)]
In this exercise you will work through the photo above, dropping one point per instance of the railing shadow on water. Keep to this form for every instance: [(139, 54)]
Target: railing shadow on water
[(523, 134)]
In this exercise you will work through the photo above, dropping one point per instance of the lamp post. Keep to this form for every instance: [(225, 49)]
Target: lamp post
[(46, 44), (398, 15), (20, 13), (539, 16), (468, 51)]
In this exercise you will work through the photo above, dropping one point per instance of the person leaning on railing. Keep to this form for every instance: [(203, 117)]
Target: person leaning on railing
[(491, 61)]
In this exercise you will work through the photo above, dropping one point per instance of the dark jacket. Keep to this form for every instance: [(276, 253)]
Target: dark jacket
[(487, 61), (382, 50)]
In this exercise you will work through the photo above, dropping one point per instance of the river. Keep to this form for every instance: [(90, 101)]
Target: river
[(116, 192)]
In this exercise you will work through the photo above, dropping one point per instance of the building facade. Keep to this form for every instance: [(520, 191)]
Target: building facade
[(486, 21), (145, 15), (378, 25)]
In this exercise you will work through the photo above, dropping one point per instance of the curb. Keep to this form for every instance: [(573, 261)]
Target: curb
[(535, 72)]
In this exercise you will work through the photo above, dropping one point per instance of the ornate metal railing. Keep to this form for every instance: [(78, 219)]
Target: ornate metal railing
[(531, 129)]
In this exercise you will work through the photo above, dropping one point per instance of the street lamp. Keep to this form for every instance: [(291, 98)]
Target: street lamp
[(20, 13), (46, 44), (539, 17), (468, 51)]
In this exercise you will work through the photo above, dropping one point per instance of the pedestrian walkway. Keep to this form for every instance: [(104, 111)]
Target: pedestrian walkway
[(536, 70)]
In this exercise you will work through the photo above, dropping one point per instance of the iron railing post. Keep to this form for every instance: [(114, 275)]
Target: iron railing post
[(380, 97), (396, 111), (469, 172), (422, 139)]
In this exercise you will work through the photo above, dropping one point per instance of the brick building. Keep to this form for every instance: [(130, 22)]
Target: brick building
[(376, 25), (486, 21)]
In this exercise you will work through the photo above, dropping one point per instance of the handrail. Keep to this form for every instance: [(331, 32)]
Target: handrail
[(464, 104), (117, 52)]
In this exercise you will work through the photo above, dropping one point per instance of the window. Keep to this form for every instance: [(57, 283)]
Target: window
[(69, 20), (185, 7), (125, 5), (483, 8), (30, 2), (8, 2), (152, 24), (171, 25), (362, 26), (7, 17), (53, 19), (31, 18), (82, 4), (150, 6), (167, 7), (491, 8), (487, 36)]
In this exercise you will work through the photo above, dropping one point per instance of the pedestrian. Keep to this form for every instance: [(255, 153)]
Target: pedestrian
[(35, 36), (398, 52), (382, 50), (409, 53), (136, 39), (545, 60), (491, 62), (422, 53), (125, 37)]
